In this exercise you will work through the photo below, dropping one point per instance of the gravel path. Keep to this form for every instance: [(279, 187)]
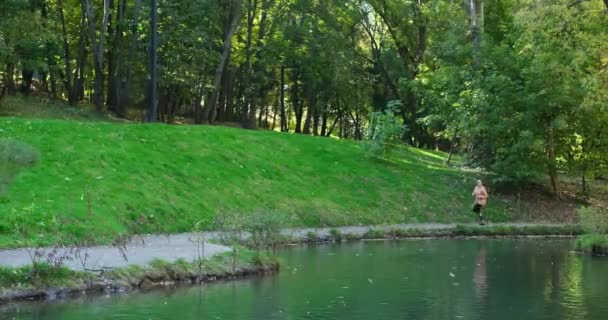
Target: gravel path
[(144, 249), (137, 252)]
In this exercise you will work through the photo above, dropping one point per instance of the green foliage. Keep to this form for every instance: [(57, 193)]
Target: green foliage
[(594, 243), (260, 259), (594, 220), (384, 131)]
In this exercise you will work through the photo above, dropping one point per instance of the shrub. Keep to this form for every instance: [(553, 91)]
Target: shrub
[(384, 131), (14, 156)]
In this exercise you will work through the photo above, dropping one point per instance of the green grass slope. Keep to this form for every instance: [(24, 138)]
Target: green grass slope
[(171, 177)]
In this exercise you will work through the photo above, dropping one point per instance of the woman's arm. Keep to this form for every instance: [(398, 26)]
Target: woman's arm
[(484, 193)]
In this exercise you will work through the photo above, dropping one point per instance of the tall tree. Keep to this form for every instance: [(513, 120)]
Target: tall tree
[(98, 49)]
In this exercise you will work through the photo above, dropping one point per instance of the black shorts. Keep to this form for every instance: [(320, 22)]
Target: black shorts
[(477, 208)]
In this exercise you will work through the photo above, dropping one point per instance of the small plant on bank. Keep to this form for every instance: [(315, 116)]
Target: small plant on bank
[(231, 224), (264, 228), (312, 236), (335, 234), (352, 236), (374, 234), (199, 241)]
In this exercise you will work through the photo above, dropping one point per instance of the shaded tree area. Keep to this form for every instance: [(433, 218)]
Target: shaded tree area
[(519, 87)]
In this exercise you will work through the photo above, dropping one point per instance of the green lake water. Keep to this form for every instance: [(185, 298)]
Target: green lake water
[(414, 279)]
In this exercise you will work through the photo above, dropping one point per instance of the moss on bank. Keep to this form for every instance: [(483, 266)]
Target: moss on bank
[(46, 281), (376, 233)]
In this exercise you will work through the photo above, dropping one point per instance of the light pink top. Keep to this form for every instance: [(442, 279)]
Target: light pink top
[(481, 195)]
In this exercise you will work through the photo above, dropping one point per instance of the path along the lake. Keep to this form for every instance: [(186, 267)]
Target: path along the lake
[(143, 249)]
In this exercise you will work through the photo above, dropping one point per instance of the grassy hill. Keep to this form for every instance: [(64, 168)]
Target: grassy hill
[(165, 178)]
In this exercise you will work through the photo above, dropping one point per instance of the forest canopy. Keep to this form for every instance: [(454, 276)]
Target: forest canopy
[(518, 87)]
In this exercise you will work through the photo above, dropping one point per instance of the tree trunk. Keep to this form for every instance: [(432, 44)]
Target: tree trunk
[(584, 182), (553, 175), (26, 81), (2, 92), (68, 78), (248, 108), (263, 109), (226, 50), (98, 48), (297, 103), (224, 95), (9, 80), (258, 67), (153, 111), (79, 74), (316, 118), (475, 34), (324, 124), (310, 99), (51, 63), (115, 62), (125, 94), (452, 147), (284, 127), (109, 52), (275, 109)]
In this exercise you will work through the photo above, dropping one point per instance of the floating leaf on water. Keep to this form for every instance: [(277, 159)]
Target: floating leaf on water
[(370, 280), (452, 275)]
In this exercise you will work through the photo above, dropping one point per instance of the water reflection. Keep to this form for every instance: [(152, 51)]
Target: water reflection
[(425, 279), (480, 277), (573, 301)]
